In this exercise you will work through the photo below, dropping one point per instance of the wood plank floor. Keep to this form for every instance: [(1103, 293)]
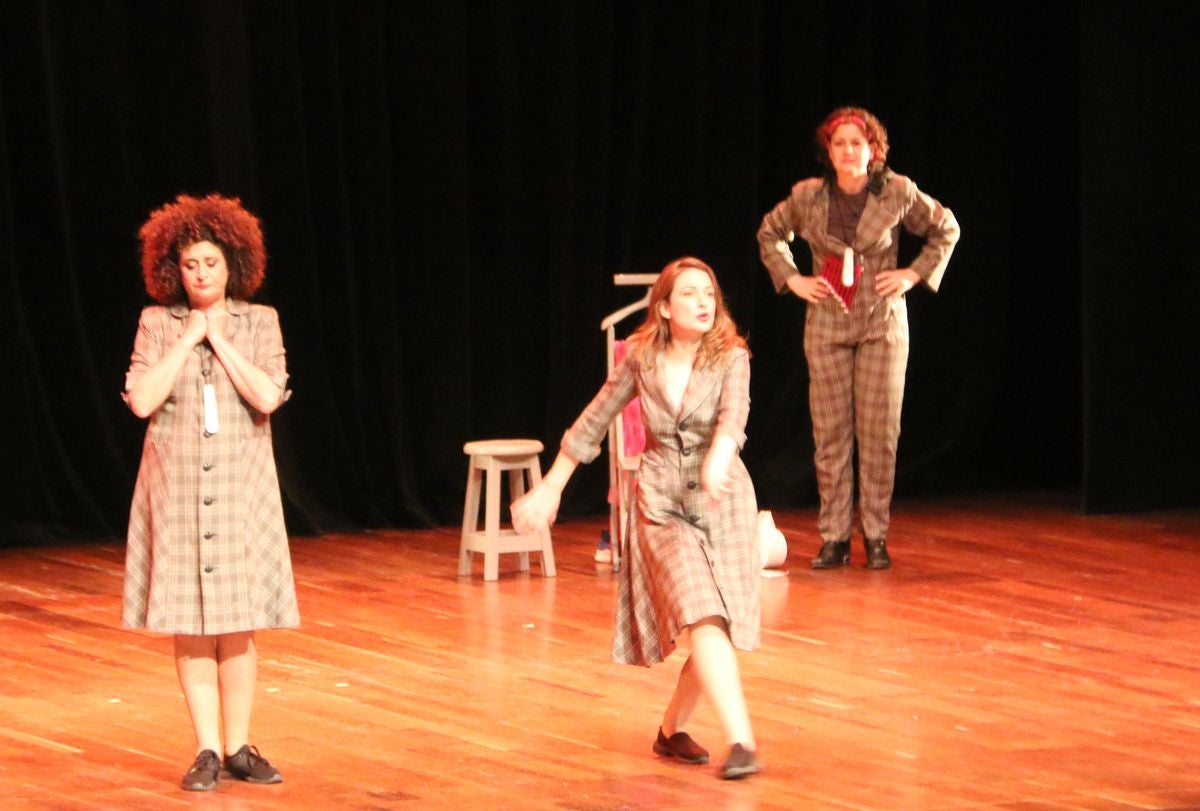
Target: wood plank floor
[(1018, 656)]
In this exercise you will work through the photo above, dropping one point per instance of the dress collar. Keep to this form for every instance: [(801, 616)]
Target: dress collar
[(234, 306)]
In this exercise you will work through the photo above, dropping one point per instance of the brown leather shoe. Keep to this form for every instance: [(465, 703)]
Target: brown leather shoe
[(681, 747), (205, 771), (740, 763), (247, 764)]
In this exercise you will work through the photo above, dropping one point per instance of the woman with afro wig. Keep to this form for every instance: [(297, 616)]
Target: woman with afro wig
[(207, 553), (856, 327)]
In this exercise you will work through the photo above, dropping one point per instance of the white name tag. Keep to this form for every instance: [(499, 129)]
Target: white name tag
[(848, 268), (211, 421)]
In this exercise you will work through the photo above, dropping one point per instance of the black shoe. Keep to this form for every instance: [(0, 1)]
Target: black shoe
[(740, 763), (681, 747), (877, 554), (247, 764), (832, 555), (204, 772)]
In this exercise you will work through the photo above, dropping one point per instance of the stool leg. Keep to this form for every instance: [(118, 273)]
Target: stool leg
[(491, 555), (548, 569), (516, 487), (470, 516)]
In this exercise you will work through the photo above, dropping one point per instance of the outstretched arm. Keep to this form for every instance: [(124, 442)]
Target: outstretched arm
[(538, 508)]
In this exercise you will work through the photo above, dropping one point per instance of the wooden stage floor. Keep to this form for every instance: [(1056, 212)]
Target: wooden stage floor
[(1018, 656)]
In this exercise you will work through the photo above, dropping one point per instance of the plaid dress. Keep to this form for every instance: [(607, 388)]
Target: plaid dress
[(857, 360), (687, 559), (207, 550)]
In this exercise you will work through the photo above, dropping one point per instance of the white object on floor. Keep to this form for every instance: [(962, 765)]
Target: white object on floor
[(772, 545)]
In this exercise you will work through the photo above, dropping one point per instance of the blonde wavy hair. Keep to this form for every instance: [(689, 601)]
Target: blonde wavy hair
[(650, 339)]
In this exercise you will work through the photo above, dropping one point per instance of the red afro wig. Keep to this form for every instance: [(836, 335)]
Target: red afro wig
[(216, 219)]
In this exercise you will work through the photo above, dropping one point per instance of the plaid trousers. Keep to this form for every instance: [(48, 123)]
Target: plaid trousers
[(856, 366)]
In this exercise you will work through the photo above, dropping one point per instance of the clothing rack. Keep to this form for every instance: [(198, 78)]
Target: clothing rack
[(622, 465)]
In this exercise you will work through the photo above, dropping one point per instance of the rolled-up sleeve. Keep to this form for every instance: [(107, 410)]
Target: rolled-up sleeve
[(733, 410), (269, 354), (582, 440), (147, 347)]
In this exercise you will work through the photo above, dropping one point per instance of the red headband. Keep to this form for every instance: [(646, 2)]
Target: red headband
[(847, 119)]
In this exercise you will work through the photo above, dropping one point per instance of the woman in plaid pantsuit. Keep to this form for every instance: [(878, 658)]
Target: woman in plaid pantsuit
[(856, 330), (207, 553), (692, 563)]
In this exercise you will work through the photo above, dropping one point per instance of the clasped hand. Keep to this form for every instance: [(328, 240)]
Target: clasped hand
[(201, 325)]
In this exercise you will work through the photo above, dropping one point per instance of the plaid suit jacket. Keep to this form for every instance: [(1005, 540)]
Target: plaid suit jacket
[(898, 204)]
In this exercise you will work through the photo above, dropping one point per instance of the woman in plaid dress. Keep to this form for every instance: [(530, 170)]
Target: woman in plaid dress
[(693, 560), (207, 553), (856, 328)]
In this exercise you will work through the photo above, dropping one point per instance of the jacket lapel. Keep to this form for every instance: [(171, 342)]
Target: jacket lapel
[(876, 220), (873, 224), (653, 388), (699, 388)]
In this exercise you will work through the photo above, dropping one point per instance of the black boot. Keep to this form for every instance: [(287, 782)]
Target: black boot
[(832, 555), (877, 554)]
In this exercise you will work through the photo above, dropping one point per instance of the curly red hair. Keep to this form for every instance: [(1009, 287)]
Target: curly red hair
[(871, 127), (652, 337), (216, 219)]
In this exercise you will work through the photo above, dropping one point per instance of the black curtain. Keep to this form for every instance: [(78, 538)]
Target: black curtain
[(1141, 287), (448, 188)]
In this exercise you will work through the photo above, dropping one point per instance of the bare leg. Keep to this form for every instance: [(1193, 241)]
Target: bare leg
[(196, 664), (237, 662), (687, 693), (717, 671)]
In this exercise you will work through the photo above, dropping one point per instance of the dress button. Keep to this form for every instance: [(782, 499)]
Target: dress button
[(686, 451), (695, 519), (208, 569), (208, 500), (683, 425), (207, 466), (691, 485), (208, 535)]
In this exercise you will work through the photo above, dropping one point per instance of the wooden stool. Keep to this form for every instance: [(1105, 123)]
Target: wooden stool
[(518, 457)]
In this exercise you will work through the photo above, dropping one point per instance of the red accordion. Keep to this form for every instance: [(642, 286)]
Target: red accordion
[(836, 271)]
